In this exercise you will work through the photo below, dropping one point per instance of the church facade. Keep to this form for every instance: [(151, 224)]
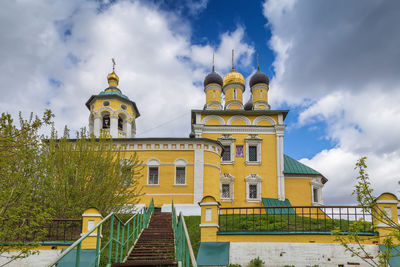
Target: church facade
[(234, 153)]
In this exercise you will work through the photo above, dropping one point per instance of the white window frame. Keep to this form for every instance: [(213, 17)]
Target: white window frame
[(153, 163), (227, 179), (253, 179), (228, 140), (253, 140), (180, 163), (317, 185)]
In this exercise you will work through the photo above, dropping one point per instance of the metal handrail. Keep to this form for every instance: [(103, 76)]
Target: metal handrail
[(139, 221), (183, 247)]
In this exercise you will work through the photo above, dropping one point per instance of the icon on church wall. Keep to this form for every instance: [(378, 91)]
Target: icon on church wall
[(239, 151)]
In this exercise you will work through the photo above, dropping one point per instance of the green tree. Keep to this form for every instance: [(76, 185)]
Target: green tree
[(366, 200), (43, 178), (21, 180), (88, 172)]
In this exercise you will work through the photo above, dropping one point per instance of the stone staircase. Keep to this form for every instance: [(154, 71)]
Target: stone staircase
[(155, 246)]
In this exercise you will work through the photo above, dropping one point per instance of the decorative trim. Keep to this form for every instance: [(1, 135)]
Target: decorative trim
[(238, 129), (387, 201), (91, 215), (209, 225), (234, 102), (228, 140), (253, 179), (227, 179), (239, 117), (253, 140), (264, 118), (212, 165), (213, 117), (209, 204)]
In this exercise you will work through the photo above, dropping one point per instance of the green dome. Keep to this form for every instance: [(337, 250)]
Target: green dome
[(113, 92)]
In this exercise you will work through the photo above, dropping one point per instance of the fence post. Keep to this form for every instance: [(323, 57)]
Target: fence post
[(385, 216), (209, 219), (90, 218)]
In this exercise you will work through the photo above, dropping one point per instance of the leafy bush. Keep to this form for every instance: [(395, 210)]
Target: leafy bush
[(257, 262)]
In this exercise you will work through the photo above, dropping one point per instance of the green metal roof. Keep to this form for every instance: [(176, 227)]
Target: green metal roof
[(273, 202), (213, 254), (292, 166), (113, 93)]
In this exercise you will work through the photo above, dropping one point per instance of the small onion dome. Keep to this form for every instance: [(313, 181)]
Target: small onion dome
[(259, 77), (113, 79), (234, 77), (213, 77), (249, 104)]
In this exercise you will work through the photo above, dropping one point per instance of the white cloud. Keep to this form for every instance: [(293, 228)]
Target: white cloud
[(339, 62), (56, 54)]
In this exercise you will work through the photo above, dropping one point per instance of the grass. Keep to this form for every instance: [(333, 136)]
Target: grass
[(192, 224), (291, 222)]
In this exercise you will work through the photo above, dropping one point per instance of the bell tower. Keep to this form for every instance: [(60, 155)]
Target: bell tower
[(112, 114)]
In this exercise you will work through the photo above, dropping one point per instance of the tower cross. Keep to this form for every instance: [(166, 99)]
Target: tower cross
[(213, 63), (258, 65), (113, 61), (233, 56)]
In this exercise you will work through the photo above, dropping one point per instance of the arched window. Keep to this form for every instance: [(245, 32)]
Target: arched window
[(234, 94), (120, 123), (213, 93), (106, 121), (261, 94)]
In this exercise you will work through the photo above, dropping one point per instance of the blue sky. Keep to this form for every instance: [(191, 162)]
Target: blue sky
[(334, 64)]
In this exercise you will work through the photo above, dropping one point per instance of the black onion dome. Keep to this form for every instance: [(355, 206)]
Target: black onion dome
[(213, 77), (249, 104), (259, 77)]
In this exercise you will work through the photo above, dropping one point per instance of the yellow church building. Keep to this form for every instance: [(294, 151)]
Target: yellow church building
[(234, 152)]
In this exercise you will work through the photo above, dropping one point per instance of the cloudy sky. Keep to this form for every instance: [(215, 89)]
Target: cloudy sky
[(334, 64)]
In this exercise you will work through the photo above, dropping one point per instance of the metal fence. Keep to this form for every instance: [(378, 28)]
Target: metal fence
[(295, 219)]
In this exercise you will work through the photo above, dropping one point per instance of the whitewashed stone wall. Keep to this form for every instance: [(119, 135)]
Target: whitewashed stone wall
[(44, 258), (297, 254)]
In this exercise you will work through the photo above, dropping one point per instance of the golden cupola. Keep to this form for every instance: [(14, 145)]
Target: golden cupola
[(113, 79), (233, 88), (234, 77)]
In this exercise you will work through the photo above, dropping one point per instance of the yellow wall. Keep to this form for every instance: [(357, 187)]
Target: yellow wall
[(258, 97), (298, 191), (300, 238), (210, 96), (229, 96), (266, 170), (115, 104)]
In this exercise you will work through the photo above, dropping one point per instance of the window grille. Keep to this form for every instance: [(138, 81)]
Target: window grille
[(226, 156), (225, 191), (252, 153), (253, 191), (153, 175), (180, 175)]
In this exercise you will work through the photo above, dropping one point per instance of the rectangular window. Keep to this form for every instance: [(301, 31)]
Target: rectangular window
[(252, 153), (239, 151), (225, 191), (180, 175), (226, 156), (253, 191), (315, 195), (153, 175)]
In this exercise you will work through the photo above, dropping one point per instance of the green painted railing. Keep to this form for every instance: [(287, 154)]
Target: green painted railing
[(183, 249), (119, 238)]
